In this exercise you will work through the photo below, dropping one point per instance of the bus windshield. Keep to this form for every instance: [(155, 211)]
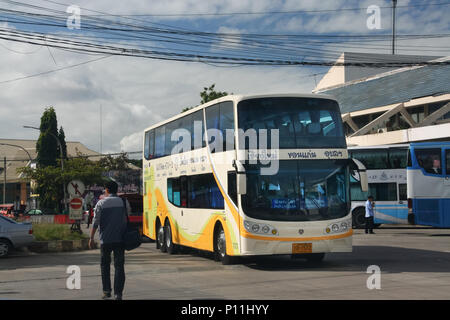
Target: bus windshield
[(302, 190), (302, 122)]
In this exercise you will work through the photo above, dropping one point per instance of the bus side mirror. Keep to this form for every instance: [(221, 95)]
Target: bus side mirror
[(241, 178), (360, 174)]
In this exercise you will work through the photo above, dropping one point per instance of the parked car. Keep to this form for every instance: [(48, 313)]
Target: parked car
[(14, 235), (33, 212), (7, 210)]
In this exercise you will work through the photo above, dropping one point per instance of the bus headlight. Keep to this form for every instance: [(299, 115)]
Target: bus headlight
[(344, 226), (259, 228)]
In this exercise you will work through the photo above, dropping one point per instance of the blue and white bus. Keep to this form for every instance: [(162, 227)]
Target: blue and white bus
[(428, 175), (386, 175)]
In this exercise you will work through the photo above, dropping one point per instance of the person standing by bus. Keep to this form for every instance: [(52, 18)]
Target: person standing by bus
[(110, 217), (370, 206), (90, 215)]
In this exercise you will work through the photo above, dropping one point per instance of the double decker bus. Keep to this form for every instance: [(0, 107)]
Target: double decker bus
[(428, 175), (386, 175), (250, 175)]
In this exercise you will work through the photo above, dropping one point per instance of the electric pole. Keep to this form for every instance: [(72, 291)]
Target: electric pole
[(394, 5)]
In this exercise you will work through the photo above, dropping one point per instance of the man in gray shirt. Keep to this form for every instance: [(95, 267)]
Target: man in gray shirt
[(110, 218)]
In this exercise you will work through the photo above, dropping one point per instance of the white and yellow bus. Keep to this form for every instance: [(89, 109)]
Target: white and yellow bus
[(279, 184)]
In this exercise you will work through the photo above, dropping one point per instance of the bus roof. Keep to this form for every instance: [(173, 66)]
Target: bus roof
[(383, 146), (431, 144), (238, 98)]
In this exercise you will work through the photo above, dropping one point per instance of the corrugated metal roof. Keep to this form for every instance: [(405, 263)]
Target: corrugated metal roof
[(393, 88), (14, 155)]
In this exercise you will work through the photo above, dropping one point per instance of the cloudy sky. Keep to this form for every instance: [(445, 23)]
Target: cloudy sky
[(134, 93)]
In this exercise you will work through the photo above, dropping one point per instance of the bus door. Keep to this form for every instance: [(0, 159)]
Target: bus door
[(447, 169), (402, 209), (386, 202), (446, 188)]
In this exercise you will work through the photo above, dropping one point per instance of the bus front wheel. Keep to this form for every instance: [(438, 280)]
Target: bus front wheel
[(170, 246), (220, 247), (160, 238), (359, 218)]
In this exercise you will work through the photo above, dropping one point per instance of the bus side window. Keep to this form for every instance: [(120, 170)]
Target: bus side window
[(429, 160), (227, 123), (197, 122), (183, 192), (212, 122), (149, 144), (160, 144)]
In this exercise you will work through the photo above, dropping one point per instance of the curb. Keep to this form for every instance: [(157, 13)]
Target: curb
[(59, 246)]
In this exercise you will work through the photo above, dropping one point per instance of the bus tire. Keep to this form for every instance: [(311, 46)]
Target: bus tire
[(171, 247), (315, 257), (411, 219), (220, 246), (160, 238), (359, 218)]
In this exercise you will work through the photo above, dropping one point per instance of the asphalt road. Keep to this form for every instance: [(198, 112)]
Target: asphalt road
[(414, 264)]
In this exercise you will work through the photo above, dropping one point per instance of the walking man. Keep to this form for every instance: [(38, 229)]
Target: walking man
[(110, 218), (370, 205)]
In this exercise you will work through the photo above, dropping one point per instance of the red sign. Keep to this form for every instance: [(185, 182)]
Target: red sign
[(76, 203)]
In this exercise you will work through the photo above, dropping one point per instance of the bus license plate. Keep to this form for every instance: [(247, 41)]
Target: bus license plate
[(302, 248)]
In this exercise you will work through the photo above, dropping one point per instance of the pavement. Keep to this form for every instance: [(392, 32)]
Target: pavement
[(414, 264)]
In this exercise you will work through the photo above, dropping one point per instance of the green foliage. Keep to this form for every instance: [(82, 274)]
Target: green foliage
[(208, 94), (50, 180), (48, 232), (110, 163), (47, 146)]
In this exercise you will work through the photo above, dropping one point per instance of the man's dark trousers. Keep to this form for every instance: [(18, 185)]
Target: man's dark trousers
[(369, 224), (119, 261)]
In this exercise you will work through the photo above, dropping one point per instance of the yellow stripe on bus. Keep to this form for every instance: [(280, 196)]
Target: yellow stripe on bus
[(245, 234)]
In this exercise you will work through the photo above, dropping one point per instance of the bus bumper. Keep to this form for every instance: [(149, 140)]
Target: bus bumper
[(271, 247)]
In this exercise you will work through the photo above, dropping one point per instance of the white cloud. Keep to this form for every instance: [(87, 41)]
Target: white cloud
[(134, 93)]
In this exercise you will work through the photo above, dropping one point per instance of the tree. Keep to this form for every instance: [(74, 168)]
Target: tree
[(118, 163), (62, 139), (208, 94), (47, 146), (50, 179)]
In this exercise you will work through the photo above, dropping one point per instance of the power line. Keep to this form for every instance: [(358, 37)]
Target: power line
[(56, 42), (54, 70), (199, 14)]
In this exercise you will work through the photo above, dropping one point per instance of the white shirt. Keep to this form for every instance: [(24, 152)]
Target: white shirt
[(369, 209)]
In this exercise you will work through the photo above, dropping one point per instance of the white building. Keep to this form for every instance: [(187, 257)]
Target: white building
[(391, 105)]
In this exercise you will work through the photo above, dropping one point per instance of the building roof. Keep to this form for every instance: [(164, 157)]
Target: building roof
[(17, 157), (394, 86)]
